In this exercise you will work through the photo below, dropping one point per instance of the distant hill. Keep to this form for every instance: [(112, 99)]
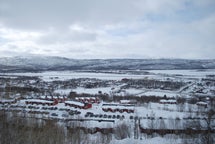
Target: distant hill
[(42, 63)]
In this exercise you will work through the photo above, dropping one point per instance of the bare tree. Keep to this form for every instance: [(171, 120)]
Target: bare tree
[(210, 120), (122, 131)]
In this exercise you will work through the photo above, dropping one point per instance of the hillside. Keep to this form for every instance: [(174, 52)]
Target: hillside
[(41, 63)]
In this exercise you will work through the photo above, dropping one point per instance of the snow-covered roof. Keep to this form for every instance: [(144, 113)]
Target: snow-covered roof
[(46, 97), (124, 101), (51, 97), (168, 101), (6, 100), (75, 103), (120, 106), (85, 98), (201, 103), (38, 100)]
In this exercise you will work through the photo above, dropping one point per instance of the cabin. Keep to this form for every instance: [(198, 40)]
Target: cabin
[(171, 101), (88, 100), (8, 101), (77, 104), (202, 104), (41, 102)]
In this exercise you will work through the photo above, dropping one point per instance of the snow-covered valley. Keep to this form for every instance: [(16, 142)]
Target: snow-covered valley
[(150, 106)]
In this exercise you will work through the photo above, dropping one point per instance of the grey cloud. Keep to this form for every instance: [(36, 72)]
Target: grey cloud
[(61, 36), (61, 13), (43, 14), (109, 29)]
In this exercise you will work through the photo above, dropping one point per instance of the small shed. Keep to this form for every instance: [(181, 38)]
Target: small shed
[(202, 104)]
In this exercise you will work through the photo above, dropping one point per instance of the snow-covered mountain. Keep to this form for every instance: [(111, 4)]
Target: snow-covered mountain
[(42, 63)]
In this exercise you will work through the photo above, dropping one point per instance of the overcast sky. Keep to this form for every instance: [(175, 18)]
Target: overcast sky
[(108, 28)]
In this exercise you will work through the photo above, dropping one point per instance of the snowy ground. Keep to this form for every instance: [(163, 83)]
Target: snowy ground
[(155, 74), (143, 140), (65, 75)]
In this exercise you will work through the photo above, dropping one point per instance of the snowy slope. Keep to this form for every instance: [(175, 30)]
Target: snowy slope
[(43, 63)]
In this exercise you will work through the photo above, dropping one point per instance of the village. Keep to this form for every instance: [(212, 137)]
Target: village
[(102, 106)]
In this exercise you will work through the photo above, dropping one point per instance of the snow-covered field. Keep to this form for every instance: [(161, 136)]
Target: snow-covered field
[(160, 93), (185, 73), (65, 75)]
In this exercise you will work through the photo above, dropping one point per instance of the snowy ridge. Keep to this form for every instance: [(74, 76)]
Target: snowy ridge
[(46, 63)]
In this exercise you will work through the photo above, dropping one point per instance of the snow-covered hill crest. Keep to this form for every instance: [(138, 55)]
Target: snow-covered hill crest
[(42, 63)]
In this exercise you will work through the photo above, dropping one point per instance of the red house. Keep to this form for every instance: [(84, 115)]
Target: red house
[(41, 102), (77, 104)]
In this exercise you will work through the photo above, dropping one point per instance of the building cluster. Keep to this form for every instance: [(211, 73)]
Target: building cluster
[(118, 108), (81, 103), (88, 100)]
